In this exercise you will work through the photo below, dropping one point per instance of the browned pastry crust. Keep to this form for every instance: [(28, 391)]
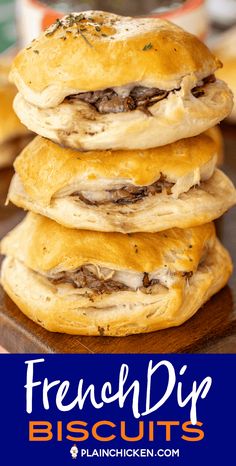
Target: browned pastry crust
[(62, 280), (114, 82), (148, 51), (124, 191)]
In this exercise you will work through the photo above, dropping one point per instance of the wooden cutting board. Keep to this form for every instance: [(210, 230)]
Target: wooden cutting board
[(212, 329)]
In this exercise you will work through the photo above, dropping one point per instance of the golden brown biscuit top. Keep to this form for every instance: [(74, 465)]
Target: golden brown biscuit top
[(96, 50), (44, 167), (44, 245)]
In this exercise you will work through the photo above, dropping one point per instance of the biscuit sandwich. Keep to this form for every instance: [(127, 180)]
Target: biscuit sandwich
[(97, 81), (94, 283), (177, 185)]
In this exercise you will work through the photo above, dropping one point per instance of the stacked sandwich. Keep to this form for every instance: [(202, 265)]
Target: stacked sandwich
[(121, 181)]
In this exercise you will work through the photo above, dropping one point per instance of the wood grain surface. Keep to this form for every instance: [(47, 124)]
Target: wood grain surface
[(212, 329)]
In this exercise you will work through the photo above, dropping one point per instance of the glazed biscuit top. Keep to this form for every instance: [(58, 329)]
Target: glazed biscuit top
[(43, 245), (45, 168), (97, 50)]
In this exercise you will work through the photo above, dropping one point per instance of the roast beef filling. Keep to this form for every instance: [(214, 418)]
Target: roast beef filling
[(127, 194), (84, 277), (140, 97)]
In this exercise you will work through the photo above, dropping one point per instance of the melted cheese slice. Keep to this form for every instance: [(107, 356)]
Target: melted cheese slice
[(47, 170)]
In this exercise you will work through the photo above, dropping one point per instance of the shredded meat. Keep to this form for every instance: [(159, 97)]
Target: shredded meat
[(84, 278), (130, 194), (147, 282), (108, 101), (187, 274), (199, 91)]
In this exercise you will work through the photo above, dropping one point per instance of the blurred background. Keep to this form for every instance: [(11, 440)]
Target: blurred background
[(7, 24)]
